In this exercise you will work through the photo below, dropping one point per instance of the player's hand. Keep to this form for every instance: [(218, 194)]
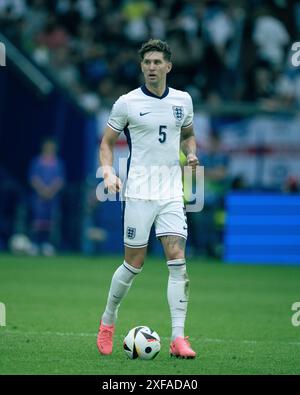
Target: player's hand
[(192, 161), (113, 183)]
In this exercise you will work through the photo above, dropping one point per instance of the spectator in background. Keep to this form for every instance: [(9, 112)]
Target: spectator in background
[(46, 178), (291, 185), (136, 13), (54, 35), (217, 45), (260, 83), (270, 37), (267, 88), (218, 32), (64, 68), (12, 9)]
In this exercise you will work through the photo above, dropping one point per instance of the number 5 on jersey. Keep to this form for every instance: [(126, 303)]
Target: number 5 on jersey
[(162, 134)]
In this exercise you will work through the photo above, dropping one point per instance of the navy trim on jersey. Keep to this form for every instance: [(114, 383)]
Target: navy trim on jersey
[(114, 128), (186, 126), (128, 138), (148, 93)]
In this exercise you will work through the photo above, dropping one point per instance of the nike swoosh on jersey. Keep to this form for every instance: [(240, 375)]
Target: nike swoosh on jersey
[(183, 301), (144, 113)]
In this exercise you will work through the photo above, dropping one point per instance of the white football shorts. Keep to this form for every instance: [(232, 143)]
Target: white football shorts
[(139, 215)]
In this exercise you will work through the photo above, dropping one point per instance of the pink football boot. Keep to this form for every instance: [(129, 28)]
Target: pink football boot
[(105, 339), (181, 348)]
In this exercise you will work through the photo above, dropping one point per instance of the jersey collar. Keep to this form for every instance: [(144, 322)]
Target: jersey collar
[(148, 93)]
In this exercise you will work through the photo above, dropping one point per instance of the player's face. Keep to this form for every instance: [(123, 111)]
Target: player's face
[(155, 68), (49, 148)]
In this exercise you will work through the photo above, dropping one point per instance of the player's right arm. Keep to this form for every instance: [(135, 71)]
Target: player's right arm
[(111, 181), (115, 125)]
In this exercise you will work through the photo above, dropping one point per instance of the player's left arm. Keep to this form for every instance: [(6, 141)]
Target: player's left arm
[(188, 145)]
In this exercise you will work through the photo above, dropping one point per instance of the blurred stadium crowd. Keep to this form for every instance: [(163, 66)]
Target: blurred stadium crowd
[(222, 50)]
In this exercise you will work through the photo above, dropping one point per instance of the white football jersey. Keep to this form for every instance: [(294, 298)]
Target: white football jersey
[(152, 126)]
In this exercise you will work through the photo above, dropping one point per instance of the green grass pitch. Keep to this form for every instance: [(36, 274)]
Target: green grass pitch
[(239, 317)]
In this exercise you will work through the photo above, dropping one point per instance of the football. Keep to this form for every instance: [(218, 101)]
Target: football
[(141, 342), (19, 244)]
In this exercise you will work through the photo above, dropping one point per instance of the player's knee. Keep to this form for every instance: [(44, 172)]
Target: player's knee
[(135, 257), (137, 263)]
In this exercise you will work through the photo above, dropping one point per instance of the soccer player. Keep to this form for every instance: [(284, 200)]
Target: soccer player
[(157, 121)]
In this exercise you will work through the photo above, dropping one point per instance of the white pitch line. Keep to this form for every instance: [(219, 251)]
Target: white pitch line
[(86, 334)]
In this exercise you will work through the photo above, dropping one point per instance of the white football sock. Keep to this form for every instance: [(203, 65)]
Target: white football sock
[(119, 287), (177, 292)]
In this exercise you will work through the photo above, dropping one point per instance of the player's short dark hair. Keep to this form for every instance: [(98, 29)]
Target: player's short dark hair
[(156, 45)]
